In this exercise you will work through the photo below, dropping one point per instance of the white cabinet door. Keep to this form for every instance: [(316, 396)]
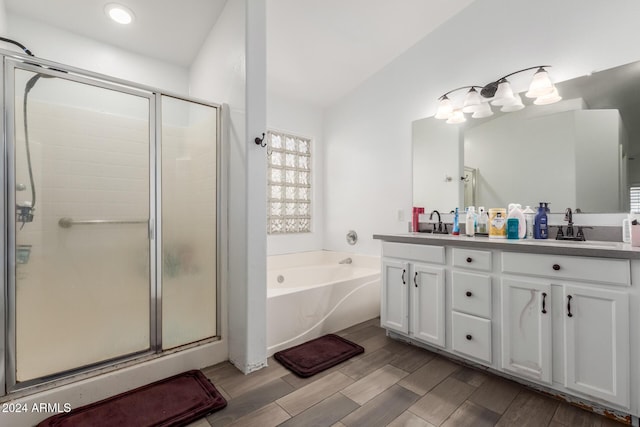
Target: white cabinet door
[(427, 304), (597, 343), (394, 307), (526, 328)]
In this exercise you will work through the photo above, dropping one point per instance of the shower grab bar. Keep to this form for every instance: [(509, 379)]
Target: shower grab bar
[(67, 222)]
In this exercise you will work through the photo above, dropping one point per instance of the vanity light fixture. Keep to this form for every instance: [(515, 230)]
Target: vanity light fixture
[(500, 94), (119, 13)]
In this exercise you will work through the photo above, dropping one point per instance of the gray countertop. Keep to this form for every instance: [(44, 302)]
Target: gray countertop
[(593, 248)]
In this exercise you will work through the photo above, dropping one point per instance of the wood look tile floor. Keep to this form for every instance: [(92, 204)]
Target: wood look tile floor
[(391, 384)]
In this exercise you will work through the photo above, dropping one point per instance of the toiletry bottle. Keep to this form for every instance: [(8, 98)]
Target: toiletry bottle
[(515, 211), (497, 223), (415, 220), (470, 222), (483, 220), (456, 225), (540, 230), (512, 228), (529, 216)]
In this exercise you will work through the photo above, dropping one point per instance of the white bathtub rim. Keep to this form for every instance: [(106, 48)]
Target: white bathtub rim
[(274, 292)]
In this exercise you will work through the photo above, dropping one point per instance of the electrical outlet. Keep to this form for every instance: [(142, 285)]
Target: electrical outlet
[(400, 215)]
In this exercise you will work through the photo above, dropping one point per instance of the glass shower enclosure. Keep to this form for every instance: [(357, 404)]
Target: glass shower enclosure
[(111, 213)]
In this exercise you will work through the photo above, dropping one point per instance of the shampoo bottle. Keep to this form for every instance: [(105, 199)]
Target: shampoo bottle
[(529, 216), (540, 230), (470, 222)]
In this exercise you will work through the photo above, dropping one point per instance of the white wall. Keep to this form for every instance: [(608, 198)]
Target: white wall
[(62, 46), (299, 119), (3, 18), (368, 133), (231, 69)]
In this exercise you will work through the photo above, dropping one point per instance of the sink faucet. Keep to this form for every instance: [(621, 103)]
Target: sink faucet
[(439, 226), (579, 236), (568, 216), (346, 261)]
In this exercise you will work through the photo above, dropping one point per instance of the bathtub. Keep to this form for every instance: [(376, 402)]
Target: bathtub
[(310, 294)]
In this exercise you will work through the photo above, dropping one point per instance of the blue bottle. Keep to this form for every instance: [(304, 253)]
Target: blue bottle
[(512, 228), (540, 227), (456, 224)]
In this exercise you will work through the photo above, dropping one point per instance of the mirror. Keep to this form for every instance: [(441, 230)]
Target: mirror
[(578, 153)]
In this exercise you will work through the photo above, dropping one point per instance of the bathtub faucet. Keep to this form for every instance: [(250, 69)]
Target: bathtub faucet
[(346, 261)]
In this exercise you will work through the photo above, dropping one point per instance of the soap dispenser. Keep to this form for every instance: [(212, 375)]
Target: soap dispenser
[(540, 226)]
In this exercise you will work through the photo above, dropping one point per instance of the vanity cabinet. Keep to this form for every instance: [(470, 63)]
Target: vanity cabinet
[(590, 328), (550, 314), (596, 326), (526, 328), (413, 292), (471, 303), (394, 307)]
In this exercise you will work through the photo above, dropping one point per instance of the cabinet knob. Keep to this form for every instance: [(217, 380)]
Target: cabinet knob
[(469, 259), (468, 293), (556, 267), (469, 337)]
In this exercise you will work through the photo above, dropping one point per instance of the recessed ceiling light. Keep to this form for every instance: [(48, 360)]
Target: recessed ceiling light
[(119, 13)]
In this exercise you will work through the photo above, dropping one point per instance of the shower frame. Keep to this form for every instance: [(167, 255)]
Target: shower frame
[(12, 61)]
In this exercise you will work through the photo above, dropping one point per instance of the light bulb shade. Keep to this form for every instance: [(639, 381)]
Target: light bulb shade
[(504, 94), (456, 117), (445, 108), (472, 101), (513, 106), (549, 98), (540, 84), (484, 110)]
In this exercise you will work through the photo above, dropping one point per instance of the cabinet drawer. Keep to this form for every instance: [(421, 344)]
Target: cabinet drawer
[(474, 260), (425, 253), (471, 293), (583, 269), (471, 335)]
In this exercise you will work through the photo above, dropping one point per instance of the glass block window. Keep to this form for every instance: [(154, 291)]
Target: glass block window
[(289, 184)]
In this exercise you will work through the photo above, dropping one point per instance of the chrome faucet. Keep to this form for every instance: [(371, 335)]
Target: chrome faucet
[(346, 261)]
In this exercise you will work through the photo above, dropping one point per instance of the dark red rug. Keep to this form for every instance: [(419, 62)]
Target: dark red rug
[(174, 401), (317, 355)]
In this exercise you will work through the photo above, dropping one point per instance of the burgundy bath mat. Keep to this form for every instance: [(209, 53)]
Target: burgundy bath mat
[(174, 401), (317, 355)]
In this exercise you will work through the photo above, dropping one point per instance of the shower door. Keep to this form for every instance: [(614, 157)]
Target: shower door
[(81, 276)]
